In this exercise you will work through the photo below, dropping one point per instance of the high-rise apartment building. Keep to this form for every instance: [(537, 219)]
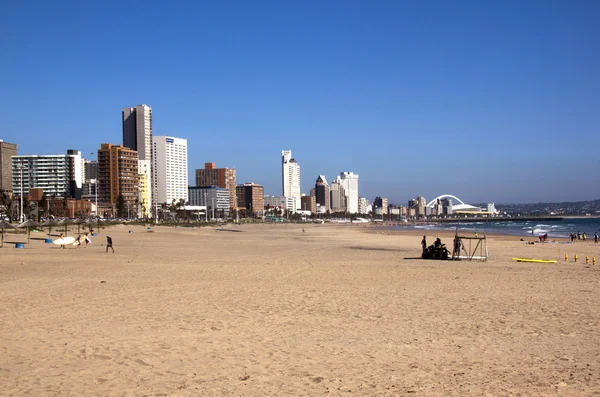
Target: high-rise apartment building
[(322, 195), (170, 164), (91, 170), (338, 196), (137, 135), (380, 206), (349, 181), (364, 207), (58, 175), (308, 203), (251, 197), (290, 176), (221, 177), (7, 150), (137, 130), (118, 175)]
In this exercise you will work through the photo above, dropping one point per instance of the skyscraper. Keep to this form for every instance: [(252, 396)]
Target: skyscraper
[(349, 181), (290, 176), (170, 165), (7, 150), (137, 130), (221, 177), (322, 193), (338, 196), (137, 135)]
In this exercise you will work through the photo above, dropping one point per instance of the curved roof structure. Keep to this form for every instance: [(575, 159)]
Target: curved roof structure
[(457, 207)]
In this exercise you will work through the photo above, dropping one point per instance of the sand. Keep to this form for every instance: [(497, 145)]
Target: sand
[(263, 310)]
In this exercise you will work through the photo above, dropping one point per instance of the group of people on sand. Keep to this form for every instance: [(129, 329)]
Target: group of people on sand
[(88, 240), (582, 236)]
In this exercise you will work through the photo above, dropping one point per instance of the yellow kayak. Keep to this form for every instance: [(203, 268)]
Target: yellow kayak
[(533, 260)]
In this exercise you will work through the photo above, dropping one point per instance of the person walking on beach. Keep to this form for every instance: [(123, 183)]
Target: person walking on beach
[(596, 238), (109, 244), (61, 237), (87, 240), (584, 236), (424, 243), (78, 240)]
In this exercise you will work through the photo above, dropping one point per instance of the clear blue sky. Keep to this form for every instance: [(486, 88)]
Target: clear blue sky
[(487, 100)]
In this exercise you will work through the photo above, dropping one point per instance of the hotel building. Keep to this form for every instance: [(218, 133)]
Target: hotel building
[(170, 164)]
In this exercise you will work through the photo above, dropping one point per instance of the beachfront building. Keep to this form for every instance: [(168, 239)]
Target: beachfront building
[(251, 196), (58, 175), (290, 177), (308, 203), (380, 206), (137, 135), (214, 198), (281, 202), (170, 165), (7, 150), (221, 177), (118, 176), (364, 206), (350, 182), (322, 194), (337, 196)]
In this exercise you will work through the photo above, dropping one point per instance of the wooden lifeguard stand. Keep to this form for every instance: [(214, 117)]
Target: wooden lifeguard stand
[(475, 250)]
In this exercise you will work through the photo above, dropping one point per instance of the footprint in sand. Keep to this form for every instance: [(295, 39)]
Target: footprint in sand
[(140, 362)]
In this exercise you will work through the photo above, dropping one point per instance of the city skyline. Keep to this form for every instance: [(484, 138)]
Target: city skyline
[(488, 101)]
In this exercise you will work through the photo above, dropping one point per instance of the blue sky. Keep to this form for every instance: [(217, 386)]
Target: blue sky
[(487, 100)]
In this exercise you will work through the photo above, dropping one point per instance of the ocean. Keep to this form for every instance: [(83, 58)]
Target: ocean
[(553, 228)]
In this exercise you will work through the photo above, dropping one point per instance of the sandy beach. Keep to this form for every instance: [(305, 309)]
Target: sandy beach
[(264, 310)]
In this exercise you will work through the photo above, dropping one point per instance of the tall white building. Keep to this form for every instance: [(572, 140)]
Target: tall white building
[(170, 169), (364, 207), (290, 175), (59, 175), (349, 181)]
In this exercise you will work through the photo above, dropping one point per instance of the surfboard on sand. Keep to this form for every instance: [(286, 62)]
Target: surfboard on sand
[(64, 241), (534, 260)]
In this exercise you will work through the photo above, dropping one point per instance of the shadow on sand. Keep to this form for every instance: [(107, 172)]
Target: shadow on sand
[(229, 230), (376, 249)]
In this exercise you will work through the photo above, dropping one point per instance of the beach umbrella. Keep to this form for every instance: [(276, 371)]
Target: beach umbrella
[(67, 222), (4, 225), (28, 224), (50, 222)]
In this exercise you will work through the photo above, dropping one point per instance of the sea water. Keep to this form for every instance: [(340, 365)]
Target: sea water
[(528, 228)]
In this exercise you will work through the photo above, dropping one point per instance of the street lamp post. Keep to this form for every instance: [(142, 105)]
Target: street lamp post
[(21, 169)]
